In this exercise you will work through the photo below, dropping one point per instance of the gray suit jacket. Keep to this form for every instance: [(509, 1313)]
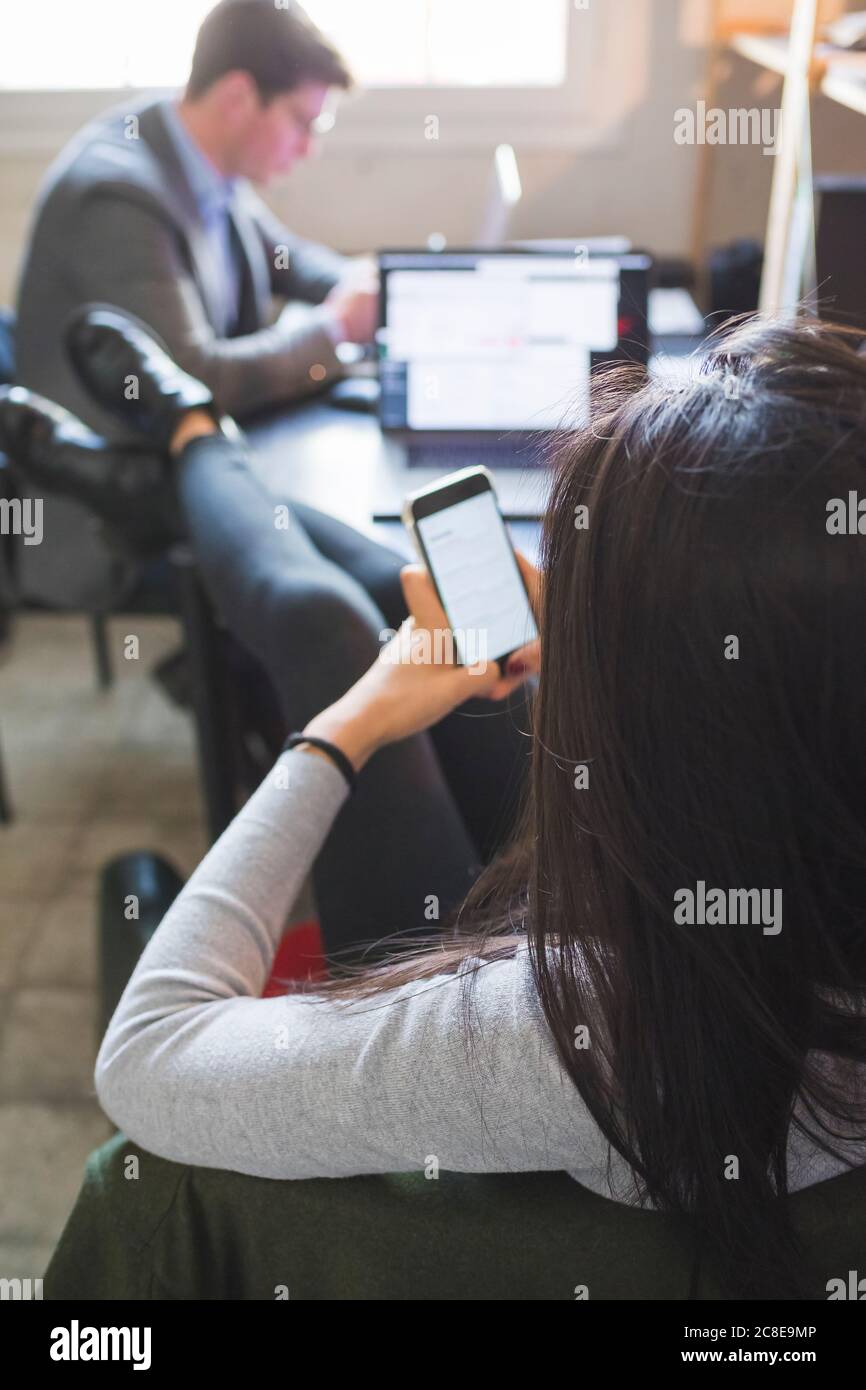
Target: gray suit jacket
[(116, 222)]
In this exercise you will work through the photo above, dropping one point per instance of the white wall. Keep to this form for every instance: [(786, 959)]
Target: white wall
[(635, 180)]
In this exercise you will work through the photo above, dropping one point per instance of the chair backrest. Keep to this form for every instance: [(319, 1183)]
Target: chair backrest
[(9, 588), (7, 347), (7, 486), (195, 1232), (213, 1234)]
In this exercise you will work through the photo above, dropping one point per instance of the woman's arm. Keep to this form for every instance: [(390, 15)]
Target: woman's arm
[(198, 1069)]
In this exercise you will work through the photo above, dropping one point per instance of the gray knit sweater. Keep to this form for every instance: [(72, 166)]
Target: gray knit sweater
[(197, 1068)]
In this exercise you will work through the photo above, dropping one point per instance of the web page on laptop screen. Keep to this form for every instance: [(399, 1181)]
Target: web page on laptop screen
[(504, 345)]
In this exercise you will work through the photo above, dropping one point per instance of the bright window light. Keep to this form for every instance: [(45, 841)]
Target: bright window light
[(93, 44), (449, 43)]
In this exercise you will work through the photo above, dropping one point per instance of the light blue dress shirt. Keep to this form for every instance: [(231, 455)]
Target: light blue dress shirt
[(213, 194)]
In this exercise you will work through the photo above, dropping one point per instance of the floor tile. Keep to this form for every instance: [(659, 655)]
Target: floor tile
[(43, 1149), (62, 941), (49, 1045)]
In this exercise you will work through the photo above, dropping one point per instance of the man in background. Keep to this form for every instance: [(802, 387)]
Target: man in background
[(150, 209)]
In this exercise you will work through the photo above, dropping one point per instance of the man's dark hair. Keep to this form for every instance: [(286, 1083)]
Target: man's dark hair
[(278, 45)]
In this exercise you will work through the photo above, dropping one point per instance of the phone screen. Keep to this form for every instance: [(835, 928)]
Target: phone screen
[(473, 563)]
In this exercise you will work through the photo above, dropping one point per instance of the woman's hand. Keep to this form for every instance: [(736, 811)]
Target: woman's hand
[(416, 679)]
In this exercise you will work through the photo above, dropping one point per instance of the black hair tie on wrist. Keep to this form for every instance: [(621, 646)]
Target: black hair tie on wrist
[(337, 756)]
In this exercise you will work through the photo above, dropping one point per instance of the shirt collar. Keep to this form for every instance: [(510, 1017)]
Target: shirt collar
[(212, 190)]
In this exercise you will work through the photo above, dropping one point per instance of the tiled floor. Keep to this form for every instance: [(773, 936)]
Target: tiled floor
[(91, 774)]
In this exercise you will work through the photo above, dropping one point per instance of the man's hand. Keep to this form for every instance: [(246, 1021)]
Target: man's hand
[(354, 301)]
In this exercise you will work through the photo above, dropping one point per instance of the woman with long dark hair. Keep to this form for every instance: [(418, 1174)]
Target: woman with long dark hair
[(659, 986)]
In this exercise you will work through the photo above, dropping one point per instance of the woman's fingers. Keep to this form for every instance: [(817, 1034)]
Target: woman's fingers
[(427, 613), (421, 598), (505, 685), (525, 660)]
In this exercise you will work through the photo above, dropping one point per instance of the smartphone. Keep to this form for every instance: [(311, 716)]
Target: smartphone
[(461, 537)]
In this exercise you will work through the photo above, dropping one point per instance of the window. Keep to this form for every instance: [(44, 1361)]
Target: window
[(101, 44), (449, 43), (525, 72)]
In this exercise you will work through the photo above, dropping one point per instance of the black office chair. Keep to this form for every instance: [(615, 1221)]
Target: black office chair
[(154, 884), (228, 764), (7, 494), (7, 486), (9, 597), (7, 347)]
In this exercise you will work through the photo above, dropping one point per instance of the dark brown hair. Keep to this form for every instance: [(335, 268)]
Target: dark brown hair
[(707, 504), (279, 47)]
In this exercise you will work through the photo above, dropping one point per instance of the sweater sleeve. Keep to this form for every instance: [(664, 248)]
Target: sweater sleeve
[(197, 1068)]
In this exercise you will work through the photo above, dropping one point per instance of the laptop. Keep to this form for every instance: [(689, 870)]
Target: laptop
[(840, 230), (485, 358)]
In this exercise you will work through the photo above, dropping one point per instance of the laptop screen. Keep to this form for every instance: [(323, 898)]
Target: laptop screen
[(481, 342)]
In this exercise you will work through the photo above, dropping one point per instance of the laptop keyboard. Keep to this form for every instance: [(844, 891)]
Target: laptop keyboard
[(497, 454)]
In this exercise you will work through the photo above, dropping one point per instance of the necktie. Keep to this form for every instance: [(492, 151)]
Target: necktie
[(226, 266)]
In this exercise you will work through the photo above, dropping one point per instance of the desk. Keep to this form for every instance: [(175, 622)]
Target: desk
[(327, 457), (318, 454)]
